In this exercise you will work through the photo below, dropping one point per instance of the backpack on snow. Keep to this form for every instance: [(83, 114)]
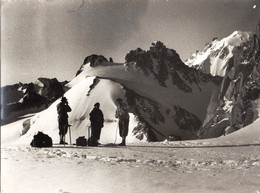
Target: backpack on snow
[(81, 141), (41, 140)]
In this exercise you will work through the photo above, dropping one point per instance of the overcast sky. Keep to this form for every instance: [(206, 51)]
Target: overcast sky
[(51, 38)]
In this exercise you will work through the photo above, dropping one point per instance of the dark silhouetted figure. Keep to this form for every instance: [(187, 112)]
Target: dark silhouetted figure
[(111, 59), (97, 122), (123, 116), (63, 108)]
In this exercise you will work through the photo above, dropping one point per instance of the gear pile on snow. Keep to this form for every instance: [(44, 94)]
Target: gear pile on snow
[(81, 141), (41, 140)]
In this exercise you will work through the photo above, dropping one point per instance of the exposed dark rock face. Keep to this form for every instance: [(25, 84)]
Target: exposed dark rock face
[(26, 126), (231, 108), (186, 120), (167, 68), (92, 86), (21, 99), (147, 112), (51, 89), (152, 120), (11, 93), (95, 60), (141, 131), (164, 63)]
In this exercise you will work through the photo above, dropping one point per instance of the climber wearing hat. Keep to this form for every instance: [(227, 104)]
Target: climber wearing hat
[(97, 120), (123, 116), (63, 108)]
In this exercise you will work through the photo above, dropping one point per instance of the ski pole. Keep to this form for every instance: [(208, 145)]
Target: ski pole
[(69, 133), (116, 133), (89, 132)]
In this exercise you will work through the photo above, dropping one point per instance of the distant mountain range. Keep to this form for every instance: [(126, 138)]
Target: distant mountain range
[(21, 99)]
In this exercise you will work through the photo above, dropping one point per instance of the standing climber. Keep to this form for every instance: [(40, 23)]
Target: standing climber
[(123, 116), (97, 122), (63, 108)]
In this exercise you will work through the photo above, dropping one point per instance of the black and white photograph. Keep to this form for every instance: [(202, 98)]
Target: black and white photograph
[(130, 96)]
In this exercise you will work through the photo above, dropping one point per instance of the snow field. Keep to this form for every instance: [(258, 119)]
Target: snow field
[(135, 168)]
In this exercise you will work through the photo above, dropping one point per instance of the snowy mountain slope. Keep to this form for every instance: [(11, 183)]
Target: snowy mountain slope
[(161, 95), (216, 55), (81, 104)]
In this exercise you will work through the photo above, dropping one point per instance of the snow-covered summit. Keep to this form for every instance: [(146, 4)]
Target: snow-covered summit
[(214, 57)]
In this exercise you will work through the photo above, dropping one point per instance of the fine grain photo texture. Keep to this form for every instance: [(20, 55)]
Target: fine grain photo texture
[(130, 96)]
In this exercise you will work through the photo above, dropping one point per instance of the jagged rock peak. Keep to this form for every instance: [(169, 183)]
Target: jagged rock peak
[(46, 81), (158, 61), (50, 88), (94, 60), (165, 64), (156, 47)]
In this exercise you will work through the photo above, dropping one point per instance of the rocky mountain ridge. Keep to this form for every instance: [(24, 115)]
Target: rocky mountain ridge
[(21, 99), (165, 64)]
